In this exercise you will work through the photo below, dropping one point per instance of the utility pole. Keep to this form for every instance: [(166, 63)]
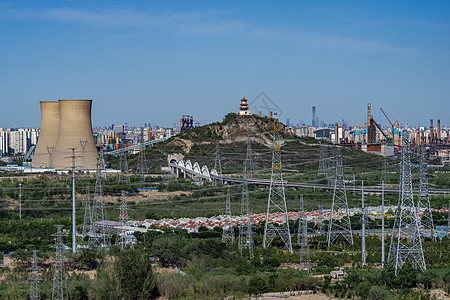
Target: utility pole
[(35, 292), (74, 217), (363, 228), (406, 244), (382, 224), (277, 197), (339, 204), (59, 276), (20, 201), (302, 238), (228, 229)]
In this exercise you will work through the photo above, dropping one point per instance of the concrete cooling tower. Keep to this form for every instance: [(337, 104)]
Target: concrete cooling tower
[(74, 130), (48, 134)]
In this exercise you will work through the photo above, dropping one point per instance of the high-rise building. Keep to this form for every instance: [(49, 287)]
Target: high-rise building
[(315, 119)]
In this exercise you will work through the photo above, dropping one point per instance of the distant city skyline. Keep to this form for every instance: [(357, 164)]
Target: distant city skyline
[(155, 61)]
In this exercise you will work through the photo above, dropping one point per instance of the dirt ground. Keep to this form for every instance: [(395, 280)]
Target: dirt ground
[(146, 196), (318, 296)]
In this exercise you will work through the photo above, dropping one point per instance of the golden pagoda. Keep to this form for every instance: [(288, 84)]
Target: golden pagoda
[(243, 108)]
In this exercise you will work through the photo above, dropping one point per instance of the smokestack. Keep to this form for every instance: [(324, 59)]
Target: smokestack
[(75, 131), (271, 114), (47, 135), (336, 133), (431, 132), (439, 131)]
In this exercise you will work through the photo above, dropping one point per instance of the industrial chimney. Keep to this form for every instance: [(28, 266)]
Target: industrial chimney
[(336, 133), (48, 134), (439, 131), (75, 131), (431, 141)]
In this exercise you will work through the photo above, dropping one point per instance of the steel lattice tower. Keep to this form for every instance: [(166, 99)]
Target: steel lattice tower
[(97, 230), (59, 277), (228, 229), (35, 292), (276, 203), (426, 227), (218, 166), (448, 221), (87, 212), (124, 176), (323, 161), (302, 238), (141, 168), (249, 158), (83, 147), (406, 245), (331, 165), (321, 229), (385, 171), (102, 163), (363, 228), (245, 226), (123, 241), (339, 205)]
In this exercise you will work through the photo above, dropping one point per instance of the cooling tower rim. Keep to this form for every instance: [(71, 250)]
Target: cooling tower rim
[(48, 101), (63, 100)]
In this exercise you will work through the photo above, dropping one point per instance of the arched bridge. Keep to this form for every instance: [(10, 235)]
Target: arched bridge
[(186, 169)]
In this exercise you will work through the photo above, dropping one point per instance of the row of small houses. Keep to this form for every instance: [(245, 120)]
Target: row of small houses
[(193, 224)]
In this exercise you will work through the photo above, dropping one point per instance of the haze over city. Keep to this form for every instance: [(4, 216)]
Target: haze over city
[(155, 61)]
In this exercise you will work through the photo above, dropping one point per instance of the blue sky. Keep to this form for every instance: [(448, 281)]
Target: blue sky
[(153, 61)]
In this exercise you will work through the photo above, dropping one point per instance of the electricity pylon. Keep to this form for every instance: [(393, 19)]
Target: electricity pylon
[(385, 170), (277, 198), (83, 147), (59, 277), (363, 228), (102, 163), (323, 161), (426, 226), (228, 229), (245, 226), (339, 205), (87, 212), (141, 168), (331, 165), (124, 176), (123, 241), (97, 228), (218, 166), (35, 292), (302, 238), (406, 245)]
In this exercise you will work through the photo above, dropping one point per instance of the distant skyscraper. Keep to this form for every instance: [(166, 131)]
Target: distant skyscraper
[(288, 122), (315, 119), (313, 123)]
